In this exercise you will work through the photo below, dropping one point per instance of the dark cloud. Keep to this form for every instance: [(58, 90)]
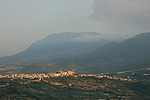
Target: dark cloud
[(108, 9), (132, 13)]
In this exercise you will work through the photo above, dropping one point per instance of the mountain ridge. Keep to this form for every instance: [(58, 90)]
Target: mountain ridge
[(116, 56), (57, 46), (111, 57)]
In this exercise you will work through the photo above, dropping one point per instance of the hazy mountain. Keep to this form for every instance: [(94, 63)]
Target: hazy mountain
[(117, 56), (74, 51), (58, 48)]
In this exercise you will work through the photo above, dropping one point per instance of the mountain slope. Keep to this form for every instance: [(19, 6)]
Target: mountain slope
[(117, 56), (57, 48)]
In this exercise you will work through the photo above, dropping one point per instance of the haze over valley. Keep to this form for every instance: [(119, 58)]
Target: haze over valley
[(74, 50)]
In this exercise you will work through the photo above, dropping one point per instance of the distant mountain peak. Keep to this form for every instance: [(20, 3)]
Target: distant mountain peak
[(76, 36)]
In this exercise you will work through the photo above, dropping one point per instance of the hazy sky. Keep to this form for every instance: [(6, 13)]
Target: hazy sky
[(23, 22)]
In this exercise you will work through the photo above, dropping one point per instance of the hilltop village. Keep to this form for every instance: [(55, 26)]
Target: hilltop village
[(59, 73), (69, 84)]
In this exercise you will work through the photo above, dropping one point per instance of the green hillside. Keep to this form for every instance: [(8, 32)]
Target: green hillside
[(73, 88)]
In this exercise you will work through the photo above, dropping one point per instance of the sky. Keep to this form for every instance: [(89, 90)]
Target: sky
[(23, 22)]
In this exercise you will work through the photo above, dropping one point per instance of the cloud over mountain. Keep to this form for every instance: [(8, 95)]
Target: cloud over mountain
[(114, 9), (128, 14)]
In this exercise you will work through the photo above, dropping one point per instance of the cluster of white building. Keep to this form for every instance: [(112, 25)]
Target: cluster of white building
[(57, 74), (37, 75)]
